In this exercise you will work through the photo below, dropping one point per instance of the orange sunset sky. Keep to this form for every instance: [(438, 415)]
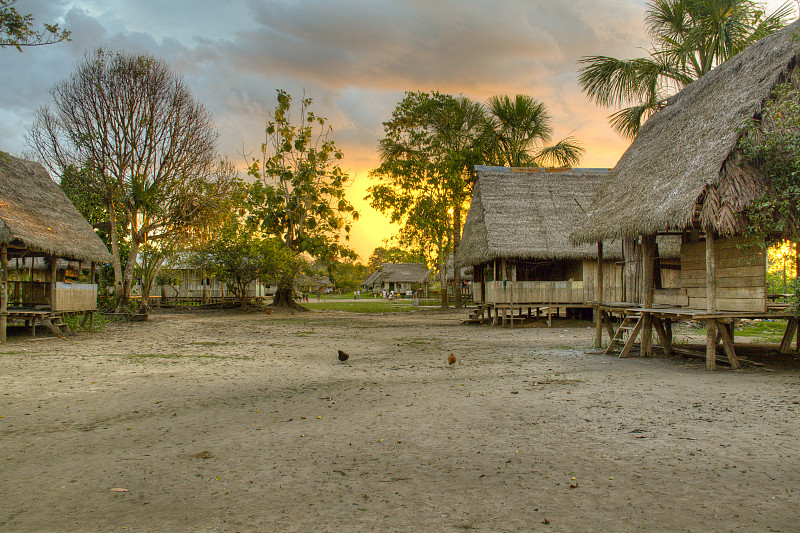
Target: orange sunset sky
[(354, 58)]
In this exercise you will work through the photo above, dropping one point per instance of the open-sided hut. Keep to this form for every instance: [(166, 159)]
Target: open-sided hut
[(516, 238), (39, 223), (398, 277), (684, 175)]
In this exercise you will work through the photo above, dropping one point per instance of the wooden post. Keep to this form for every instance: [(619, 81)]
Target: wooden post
[(53, 275), (94, 280), (598, 314), (4, 293), (648, 269), (711, 300)]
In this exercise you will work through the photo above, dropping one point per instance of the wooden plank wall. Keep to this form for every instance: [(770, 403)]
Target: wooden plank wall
[(533, 292), (741, 275), (612, 281), (75, 297)]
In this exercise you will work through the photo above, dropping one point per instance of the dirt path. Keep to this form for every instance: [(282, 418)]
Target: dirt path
[(247, 422)]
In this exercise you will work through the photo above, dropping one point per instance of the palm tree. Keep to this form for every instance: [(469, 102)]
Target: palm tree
[(522, 127), (689, 38)]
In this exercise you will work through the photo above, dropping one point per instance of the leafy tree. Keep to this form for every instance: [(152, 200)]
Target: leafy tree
[(688, 38), (772, 145), (144, 147), (394, 254), (17, 29), (522, 126), (239, 257), (348, 275), (430, 147), (299, 192)]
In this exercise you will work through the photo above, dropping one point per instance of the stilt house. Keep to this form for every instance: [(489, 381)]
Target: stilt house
[(684, 175), (39, 223), (516, 238)]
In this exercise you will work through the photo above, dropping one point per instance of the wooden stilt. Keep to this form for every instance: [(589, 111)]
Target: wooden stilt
[(662, 335), (4, 293), (598, 314), (648, 269), (727, 344), (711, 300), (788, 336)]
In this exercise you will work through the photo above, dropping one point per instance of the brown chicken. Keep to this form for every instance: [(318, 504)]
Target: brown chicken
[(343, 356), (451, 359)]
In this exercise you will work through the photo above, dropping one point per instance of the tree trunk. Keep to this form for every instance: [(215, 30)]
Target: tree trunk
[(115, 258), (242, 295), (205, 289), (284, 294), (456, 241), (443, 281), (127, 274)]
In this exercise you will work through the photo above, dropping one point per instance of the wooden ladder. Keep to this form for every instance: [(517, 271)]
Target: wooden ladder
[(631, 324)]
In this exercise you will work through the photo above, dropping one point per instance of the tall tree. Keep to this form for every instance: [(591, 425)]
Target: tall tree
[(522, 127), (427, 155), (393, 254), (17, 29), (145, 147), (299, 192), (688, 39)]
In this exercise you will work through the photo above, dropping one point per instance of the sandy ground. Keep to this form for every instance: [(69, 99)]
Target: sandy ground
[(247, 422)]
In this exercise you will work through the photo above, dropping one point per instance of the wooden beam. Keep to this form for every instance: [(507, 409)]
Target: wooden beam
[(788, 335), (727, 344), (648, 271), (598, 314), (635, 333), (662, 335), (4, 293), (711, 300)]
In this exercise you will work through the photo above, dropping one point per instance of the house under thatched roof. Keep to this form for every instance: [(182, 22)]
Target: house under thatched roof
[(372, 281), (37, 218), (405, 273), (528, 213), (683, 163)]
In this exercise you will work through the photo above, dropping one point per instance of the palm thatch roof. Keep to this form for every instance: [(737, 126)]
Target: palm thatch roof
[(529, 213), (36, 217), (683, 169), (372, 280), (405, 273)]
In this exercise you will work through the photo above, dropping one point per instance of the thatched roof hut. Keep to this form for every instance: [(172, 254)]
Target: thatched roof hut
[(683, 169), (528, 212), (37, 218), (405, 273), (397, 273)]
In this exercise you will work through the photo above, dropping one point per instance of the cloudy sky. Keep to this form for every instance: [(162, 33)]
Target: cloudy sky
[(355, 58)]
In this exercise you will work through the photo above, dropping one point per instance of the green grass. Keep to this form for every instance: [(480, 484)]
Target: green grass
[(304, 333), (358, 306), (764, 331)]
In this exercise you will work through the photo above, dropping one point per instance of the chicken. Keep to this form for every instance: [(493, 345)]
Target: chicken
[(451, 359), (343, 356)]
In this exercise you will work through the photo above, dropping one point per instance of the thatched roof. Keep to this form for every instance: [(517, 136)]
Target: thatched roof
[(372, 280), (405, 272), (682, 167), (529, 213), (35, 214)]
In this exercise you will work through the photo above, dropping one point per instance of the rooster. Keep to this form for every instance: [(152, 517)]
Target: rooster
[(451, 359), (343, 356)]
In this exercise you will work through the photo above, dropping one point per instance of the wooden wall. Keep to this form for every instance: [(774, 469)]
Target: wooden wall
[(741, 275), (576, 291), (75, 297)]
